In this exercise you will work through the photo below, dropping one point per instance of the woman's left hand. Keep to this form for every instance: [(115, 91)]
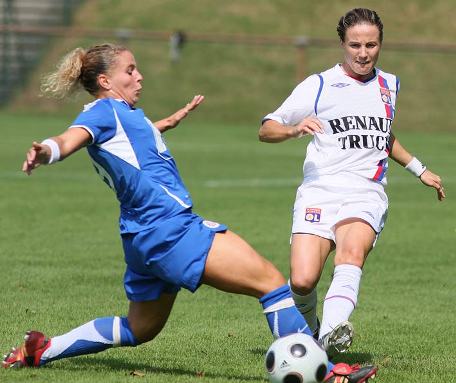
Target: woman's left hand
[(198, 99), (433, 180), (173, 120)]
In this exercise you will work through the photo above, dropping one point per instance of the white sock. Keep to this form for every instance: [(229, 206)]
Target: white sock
[(307, 306), (341, 298)]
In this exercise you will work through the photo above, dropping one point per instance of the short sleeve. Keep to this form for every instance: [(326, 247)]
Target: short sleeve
[(98, 119), (299, 104)]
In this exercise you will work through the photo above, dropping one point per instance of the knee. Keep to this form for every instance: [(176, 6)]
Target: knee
[(303, 283), (353, 256), (144, 331)]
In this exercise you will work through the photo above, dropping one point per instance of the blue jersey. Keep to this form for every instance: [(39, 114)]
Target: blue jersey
[(129, 154)]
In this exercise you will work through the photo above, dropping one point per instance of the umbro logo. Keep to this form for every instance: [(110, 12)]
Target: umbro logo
[(284, 364), (340, 85)]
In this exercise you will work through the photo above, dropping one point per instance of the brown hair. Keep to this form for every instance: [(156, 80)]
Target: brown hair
[(359, 16), (80, 68)]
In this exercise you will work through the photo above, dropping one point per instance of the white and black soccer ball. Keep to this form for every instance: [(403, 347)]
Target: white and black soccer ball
[(296, 358)]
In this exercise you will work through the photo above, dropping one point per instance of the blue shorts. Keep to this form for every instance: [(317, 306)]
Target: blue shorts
[(165, 258)]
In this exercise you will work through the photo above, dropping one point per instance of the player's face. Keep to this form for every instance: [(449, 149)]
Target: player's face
[(125, 79), (361, 47)]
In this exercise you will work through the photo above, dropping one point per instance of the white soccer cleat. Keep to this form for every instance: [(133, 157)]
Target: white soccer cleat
[(339, 339)]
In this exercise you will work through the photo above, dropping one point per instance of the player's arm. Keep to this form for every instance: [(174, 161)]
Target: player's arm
[(399, 154), (296, 116), (273, 131), (173, 120), (55, 148)]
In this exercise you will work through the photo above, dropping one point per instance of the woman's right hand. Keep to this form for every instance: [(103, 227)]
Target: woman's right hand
[(38, 154), (310, 125)]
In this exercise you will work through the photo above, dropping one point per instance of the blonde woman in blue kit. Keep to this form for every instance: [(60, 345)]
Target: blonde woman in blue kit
[(166, 245)]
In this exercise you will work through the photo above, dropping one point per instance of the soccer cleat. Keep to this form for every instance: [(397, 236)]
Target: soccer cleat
[(339, 339), (29, 353), (343, 373)]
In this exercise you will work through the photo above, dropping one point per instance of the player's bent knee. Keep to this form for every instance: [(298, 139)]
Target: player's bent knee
[(355, 257), (302, 283), (145, 333)]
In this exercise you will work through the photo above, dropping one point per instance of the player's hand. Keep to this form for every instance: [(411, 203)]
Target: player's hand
[(38, 154), (198, 99), (433, 180), (309, 125), (182, 113)]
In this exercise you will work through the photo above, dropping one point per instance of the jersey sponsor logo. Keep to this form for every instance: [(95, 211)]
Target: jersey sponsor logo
[(313, 214), (364, 141), (346, 123), (380, 126), (340, 85), (211, 224)]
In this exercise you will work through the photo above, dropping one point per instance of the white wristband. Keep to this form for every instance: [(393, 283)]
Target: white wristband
[(55, 150), (415, 167)]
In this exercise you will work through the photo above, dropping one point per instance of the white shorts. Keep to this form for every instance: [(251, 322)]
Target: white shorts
[(320, 205)]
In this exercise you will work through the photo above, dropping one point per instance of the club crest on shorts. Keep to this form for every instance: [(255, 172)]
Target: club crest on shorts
[(313, 214), (210, 224)]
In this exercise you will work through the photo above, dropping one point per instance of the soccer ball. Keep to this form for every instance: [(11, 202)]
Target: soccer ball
[(296, 358)]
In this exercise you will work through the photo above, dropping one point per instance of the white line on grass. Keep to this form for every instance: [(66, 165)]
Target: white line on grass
[(285, 182), (216, 183)]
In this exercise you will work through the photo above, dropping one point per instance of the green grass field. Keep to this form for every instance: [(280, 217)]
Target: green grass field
[(62, 261), (61, 256)]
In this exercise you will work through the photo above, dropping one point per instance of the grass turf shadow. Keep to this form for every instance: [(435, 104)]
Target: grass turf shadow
[(130, 368)]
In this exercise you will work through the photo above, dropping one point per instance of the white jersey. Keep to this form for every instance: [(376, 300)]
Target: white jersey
[(356, 117)]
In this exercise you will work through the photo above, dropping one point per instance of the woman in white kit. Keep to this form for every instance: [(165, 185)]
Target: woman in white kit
[(341, 203)]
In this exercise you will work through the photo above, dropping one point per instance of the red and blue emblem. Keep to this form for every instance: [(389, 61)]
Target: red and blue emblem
[(385, 95), (313, 214)]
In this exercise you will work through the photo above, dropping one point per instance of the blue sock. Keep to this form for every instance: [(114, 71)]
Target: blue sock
[(281, 313), (92, 337)]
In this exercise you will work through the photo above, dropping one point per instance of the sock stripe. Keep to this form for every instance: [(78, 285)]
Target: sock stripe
[(116, 339), (283, 304), (275, 330), (343, 297)]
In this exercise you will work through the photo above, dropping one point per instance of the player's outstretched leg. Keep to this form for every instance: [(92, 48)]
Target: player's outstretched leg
[(92, 337), (145, 320), (234, 266)]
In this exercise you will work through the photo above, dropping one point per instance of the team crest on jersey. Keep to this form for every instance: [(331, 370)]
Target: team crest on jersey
[(313, 214), (340, 85), (210, 224), (386, 95)]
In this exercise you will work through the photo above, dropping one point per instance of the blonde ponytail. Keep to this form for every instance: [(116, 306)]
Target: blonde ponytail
[(66, 78)]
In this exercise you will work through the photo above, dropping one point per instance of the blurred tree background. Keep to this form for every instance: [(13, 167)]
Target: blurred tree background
[(243, 81)]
